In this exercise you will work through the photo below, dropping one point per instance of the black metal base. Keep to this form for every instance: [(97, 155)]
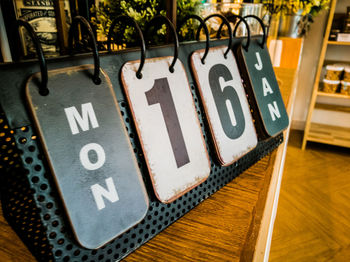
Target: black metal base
[(29, 195), (32, 206)]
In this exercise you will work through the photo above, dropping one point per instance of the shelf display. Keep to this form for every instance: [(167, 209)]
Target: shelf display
[(336, 79), (331, 89)]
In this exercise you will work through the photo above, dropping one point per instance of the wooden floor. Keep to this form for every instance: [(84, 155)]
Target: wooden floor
[(313, 216)]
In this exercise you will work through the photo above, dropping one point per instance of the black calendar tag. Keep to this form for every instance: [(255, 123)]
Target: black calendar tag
[(262, 87), (89, 154)]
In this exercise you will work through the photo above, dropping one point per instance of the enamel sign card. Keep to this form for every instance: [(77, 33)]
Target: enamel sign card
[(167, 123), (225, 103), (89, 153), (261, 84)]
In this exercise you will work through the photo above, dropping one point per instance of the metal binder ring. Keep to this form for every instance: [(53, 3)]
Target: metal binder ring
[(79, 19), (172, 27), (227, 23), (232, 18), (132, 22), (43, 90), (241, 19), (262, 27), (206, 31)]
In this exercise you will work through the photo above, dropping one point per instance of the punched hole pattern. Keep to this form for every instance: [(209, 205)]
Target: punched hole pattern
[(33, 208)]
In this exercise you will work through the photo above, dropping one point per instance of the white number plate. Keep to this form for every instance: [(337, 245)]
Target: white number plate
[(225, 103), (167, 123)]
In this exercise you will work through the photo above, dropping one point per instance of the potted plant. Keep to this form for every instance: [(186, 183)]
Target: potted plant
[(311, 8), (142, 11), (296, 16)]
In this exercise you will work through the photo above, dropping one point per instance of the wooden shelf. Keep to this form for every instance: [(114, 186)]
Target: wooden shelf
[(332, 107), (336, 95), (338, 43), (327, 134)]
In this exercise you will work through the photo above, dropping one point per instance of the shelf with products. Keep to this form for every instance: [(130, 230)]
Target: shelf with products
[(321, 127)]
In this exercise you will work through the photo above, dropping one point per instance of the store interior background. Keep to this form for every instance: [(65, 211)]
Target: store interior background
[(311, 222), (308, 65)]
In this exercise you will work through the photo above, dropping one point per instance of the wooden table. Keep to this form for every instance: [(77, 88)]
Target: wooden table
[(234, 224)]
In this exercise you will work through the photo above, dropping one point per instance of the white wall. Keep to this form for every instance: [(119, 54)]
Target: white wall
[(308, 66)]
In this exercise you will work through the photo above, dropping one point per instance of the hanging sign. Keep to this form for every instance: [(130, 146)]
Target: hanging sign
[(89, 153), (225, 103), (166, 120), (261, 84)]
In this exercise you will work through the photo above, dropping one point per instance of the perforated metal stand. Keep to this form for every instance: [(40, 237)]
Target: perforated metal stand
[(29, 196), (32, 206)]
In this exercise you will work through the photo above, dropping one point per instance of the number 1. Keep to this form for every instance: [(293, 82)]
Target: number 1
[(160, 93)]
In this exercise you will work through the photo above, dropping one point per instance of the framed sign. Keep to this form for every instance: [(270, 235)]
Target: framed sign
[(168, 127), (225, 103), (261, 84), (89, 154)]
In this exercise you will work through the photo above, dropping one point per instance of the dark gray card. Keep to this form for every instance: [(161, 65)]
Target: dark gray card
[(259, 76), (89, 153)]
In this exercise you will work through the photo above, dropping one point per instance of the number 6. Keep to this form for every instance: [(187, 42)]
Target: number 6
[(225, 103)]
